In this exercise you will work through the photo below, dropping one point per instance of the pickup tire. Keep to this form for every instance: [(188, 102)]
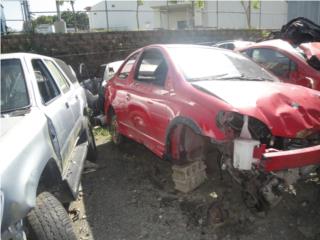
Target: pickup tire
[(49, 220)]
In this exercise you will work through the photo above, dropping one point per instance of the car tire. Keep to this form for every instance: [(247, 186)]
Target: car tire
[(116, 136), (49, 220), (92, 147)]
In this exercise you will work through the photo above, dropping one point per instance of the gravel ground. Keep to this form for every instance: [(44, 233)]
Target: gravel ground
[(130, 195)]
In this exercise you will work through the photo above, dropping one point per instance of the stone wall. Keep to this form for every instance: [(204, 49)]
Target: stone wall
[(94, 49)]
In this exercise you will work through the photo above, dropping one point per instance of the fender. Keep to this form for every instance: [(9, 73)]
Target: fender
[(176, 121)]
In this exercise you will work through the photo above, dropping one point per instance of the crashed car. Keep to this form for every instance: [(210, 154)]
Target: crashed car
[(292, 64), (181, 101), (45, 138)]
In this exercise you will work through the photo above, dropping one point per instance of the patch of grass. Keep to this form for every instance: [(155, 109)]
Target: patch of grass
[(100, 132)]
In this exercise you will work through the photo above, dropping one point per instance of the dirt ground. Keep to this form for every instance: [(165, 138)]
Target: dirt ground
[(130, 195)]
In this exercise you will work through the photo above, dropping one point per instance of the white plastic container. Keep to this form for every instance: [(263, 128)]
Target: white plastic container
[(243, 153)]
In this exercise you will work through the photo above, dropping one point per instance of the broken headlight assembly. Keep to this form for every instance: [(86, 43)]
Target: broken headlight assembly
[(233, 122), (230, 122)]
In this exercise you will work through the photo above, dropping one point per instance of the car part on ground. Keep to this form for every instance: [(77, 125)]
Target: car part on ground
[(183, 101), (45, 136)]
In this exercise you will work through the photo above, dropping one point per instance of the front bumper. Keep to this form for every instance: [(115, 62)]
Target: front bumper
[(282, 160)]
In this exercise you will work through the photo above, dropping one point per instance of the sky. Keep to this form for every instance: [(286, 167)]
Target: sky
[(12, 9)]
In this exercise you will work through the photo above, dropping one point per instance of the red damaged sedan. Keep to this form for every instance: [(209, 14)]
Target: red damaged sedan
[(182, 101), (292, 64)]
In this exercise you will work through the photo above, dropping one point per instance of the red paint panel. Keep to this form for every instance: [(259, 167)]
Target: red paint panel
[(276, 161)]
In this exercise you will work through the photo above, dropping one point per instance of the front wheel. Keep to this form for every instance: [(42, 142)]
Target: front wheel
[(116, 136), (49, 220)]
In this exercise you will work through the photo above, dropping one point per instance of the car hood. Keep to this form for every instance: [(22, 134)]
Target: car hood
[(288, 110)]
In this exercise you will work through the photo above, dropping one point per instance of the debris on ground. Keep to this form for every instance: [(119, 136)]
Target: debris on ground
[(123, 200)]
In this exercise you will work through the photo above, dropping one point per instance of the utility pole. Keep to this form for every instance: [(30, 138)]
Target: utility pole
[(168, 24), (26, 15), (107, 17), (74, 16), (58, 10)]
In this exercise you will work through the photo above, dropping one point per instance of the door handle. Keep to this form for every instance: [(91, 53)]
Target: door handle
[(128, 97), (67, 105)]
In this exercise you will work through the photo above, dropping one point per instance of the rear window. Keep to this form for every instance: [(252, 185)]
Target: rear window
[(67, 70)]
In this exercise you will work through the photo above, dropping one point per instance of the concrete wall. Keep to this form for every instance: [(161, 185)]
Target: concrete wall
[(95, 49)]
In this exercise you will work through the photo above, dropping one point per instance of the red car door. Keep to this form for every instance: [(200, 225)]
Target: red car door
[(147, 100), (120, 87)]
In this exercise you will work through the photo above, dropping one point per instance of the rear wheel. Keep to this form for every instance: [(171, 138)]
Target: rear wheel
[(49, 220), (116, 136)]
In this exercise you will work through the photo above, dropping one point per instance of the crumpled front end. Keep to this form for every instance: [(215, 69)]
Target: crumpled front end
[(271, 142)]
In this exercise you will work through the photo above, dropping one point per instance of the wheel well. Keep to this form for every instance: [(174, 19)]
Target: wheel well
[(109, 114), (184, 140), (51, 181)]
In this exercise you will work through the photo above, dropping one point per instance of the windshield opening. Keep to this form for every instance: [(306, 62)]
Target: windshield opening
[(14, 94), (205, 63)]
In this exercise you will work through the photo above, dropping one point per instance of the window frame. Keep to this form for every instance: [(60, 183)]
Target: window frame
[(292, 65), (139, 62), (59, 90), (136, 55), (64, 71), (61, 73)]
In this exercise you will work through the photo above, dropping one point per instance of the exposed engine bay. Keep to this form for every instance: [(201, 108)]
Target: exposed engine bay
[(243, 159)]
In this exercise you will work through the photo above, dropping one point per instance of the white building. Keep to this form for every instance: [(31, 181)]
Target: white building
[(121, 16), (183, 14)]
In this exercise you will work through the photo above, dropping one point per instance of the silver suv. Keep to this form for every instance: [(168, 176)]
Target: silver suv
[(45, 139)]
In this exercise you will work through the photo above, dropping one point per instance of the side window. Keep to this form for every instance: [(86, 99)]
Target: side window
[(47, 86), (247, 53), (274, 61), (127, 67), (152, 68), (67, 70), (58, 76)]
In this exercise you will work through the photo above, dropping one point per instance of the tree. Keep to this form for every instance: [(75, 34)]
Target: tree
[(68, 16), (255, 4), (80, 18), (139, 3)]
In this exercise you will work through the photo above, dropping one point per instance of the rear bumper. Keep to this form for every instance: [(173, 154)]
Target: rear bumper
[(281, 160)]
